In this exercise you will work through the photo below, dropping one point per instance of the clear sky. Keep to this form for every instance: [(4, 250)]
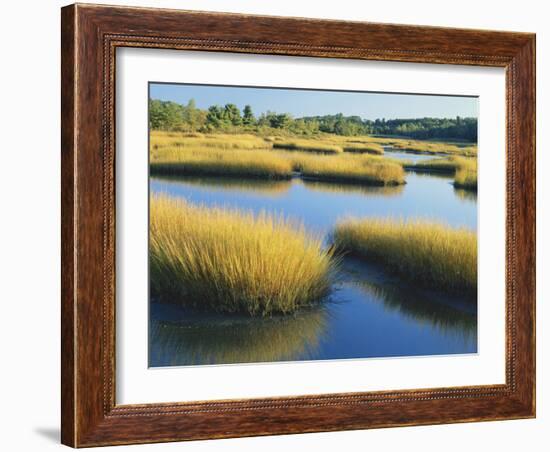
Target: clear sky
[(299, 102)]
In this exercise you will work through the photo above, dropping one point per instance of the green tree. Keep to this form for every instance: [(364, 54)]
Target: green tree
[(279, 121), (248, 116), (214, 117), (232, 114), (165, 115), (193, 117)]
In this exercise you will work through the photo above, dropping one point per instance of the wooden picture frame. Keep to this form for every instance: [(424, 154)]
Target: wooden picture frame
[(90, 35)]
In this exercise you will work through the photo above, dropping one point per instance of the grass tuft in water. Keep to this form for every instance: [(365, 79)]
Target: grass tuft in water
[(431, 254), (308, 146), (466, 176), (229, 261), (364, 148), (367, 170), (233, 164), (243, 156)]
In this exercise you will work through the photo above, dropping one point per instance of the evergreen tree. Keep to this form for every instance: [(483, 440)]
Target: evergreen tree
[(232, 114), (248, 116)]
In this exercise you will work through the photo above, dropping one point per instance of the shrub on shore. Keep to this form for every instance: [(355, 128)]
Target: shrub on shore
[(229, 261), (431, 254)]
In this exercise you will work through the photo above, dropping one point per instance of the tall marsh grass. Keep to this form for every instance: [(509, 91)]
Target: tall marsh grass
[(234, 164), (161, 140), (445, 165), (431, 254), (308, 146), (230, 261), (466, 176), (431, 147), (365, 148), (351, 169), (464, 170), (271, 163), (466, 179), (407, 145)]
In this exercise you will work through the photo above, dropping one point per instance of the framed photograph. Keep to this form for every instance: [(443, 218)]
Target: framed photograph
[(281, 225)]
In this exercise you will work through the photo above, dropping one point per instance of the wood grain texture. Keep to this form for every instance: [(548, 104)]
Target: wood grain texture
[(90, 36), (68, 147)]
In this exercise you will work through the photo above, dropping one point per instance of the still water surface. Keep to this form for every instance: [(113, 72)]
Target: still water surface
[(410, 156), (370, 313)]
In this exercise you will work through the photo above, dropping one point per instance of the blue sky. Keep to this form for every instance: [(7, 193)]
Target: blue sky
[(312, 103)]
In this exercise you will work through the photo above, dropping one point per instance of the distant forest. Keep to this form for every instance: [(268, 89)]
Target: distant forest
[(167, 115)]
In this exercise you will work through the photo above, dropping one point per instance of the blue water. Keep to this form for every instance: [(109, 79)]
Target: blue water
[(320, 205), (370, 313), (410, 156)]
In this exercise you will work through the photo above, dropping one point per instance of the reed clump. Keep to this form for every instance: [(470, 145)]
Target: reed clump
[(308, 146), (231, 261), (466, 179), (432, 147), (447, 165), (466, 175), (271, 164), (162, 140), (365, 148), (428, 253), (464, 170), (351, 169), (407, 145), (235, 165)]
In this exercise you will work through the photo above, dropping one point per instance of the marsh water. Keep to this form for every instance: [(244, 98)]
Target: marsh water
[(370, 313), (410, 156)]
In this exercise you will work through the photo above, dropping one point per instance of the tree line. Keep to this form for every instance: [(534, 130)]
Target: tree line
[(168, 115)]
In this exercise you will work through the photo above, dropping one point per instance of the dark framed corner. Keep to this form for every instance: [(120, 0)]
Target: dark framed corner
[(90, 37)]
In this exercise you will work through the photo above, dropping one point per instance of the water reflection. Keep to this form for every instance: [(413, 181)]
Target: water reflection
[(320, 205), (445, 315), (412, 157), (215, 339), (272, 188), (432, 175), (328, 187), (466, 195)]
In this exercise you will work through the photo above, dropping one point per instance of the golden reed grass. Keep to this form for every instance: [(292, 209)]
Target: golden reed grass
[(363, 169), (308, 146), (231, 261), (264, 163), (431, 254), (367, 148), (466, 176)]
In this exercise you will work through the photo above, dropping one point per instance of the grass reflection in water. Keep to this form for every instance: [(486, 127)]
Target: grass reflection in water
[(446, 315), (271, 188), (204, 339)]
